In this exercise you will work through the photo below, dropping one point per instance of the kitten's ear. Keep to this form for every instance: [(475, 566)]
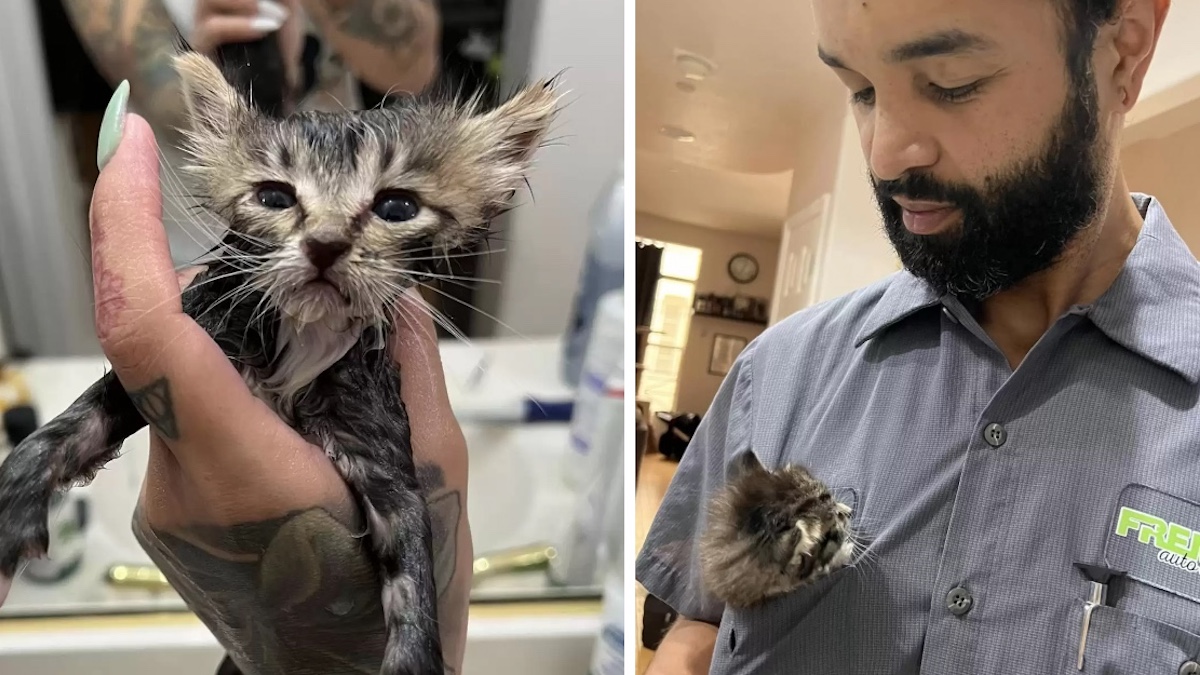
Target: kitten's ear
[(747, 463), (213, 105), (521, 123)]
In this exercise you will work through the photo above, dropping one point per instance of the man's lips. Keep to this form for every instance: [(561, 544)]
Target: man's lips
[(926, 218)]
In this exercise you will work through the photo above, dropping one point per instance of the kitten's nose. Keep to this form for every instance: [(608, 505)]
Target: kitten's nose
[(323, 254)]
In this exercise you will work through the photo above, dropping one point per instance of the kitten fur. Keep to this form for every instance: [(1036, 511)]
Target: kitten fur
[(331, 217), (770, 533)]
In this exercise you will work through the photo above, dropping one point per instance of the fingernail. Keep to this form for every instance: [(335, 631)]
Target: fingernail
[(265, 24), (266, 8), (113, 125)]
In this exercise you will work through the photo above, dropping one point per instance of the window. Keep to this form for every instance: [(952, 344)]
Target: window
[(670, 321)]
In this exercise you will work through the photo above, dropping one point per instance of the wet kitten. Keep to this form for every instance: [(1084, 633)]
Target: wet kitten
[(770, 533), (332, 217)]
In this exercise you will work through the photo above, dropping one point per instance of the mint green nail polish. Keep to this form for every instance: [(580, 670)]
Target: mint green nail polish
[(113, 125)]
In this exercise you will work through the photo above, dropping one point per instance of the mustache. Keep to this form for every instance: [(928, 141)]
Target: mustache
[(919, 186)]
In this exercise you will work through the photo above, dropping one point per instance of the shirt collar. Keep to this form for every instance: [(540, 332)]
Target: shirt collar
[(1152, 309), (904, 296)]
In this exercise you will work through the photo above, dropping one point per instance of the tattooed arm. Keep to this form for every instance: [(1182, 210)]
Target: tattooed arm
[(391, 45), (134, 40)]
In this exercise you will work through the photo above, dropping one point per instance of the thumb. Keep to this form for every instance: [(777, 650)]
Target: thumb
[(187, 388)]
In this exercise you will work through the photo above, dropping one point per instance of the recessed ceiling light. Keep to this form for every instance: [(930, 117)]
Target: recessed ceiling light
[(677, 133), (694, 66)]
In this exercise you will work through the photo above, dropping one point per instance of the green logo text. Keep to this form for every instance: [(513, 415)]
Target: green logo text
[(1169, 537)]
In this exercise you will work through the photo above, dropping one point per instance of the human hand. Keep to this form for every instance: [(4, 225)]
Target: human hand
[(250, 523), (219, 22)]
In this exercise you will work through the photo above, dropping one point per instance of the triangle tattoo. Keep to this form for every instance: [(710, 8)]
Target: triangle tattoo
[(154, 403)]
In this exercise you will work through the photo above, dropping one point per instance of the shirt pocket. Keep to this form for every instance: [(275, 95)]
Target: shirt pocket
[(749, 639), (1120, 642)]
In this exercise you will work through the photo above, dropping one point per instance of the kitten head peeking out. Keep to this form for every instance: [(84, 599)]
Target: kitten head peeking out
[(334, 215), (772, 532)]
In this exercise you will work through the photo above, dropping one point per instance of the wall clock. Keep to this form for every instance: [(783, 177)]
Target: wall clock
[(743, 268)]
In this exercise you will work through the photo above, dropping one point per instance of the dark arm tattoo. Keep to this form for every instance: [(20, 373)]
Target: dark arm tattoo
[(154, 403), (135, 40), (445, 512), (298, 594), (386, 23)]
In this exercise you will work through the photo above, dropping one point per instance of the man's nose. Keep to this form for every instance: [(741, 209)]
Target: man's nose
[(897, 144)]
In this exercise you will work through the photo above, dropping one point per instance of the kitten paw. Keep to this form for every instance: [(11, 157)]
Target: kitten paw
[(24, 535)]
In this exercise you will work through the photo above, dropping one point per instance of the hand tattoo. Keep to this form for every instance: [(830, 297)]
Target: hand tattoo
[(297, 594), (445, 513), (154, 403)]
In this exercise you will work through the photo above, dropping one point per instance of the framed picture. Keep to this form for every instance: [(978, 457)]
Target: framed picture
[(725, 351)]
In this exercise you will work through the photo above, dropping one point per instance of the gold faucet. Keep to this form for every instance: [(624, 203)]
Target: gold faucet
[(146, 577), (504, 561), (520, 559)]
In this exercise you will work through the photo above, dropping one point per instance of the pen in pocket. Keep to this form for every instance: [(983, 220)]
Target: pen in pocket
[(1099, 578)]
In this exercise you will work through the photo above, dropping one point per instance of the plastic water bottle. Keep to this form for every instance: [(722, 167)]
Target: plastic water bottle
[(603, 271), (597, 440), (608, 653), (600, 393)]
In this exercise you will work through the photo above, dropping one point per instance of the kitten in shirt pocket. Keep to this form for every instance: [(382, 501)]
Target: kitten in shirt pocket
[(772, 532)]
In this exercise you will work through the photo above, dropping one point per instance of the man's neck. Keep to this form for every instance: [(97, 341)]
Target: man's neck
[(1017, 318)]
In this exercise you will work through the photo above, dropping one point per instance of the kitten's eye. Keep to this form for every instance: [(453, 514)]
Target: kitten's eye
[(396, 207), (276, 195)]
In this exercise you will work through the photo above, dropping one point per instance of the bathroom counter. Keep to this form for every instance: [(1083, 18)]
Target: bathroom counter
[(502, 639), (83, 625)]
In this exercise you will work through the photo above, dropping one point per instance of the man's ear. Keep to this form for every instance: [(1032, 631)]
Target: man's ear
[(1134, 39), (213, 105)]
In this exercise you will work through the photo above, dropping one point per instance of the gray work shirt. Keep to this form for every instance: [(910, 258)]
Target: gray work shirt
[(977, 486)]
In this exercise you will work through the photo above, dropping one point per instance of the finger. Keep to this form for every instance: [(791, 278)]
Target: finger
[(222, 30), (415, 349), (436, 434), (177, 376), (207, 8)]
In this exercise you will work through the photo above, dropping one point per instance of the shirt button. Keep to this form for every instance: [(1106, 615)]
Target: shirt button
[(1189, 668), (959, 601), (995, 434)]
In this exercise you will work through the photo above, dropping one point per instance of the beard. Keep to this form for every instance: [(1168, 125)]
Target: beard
[(1020, 222)]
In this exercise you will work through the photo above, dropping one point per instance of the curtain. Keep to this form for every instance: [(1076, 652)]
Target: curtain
[(647, 260)]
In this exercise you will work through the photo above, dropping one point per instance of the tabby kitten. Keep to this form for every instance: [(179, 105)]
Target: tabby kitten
[(331, 217), (770, 533)]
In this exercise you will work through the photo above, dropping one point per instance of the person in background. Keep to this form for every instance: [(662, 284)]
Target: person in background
[(237, 527), (328, 47)]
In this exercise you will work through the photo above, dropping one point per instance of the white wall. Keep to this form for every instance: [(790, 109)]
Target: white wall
[(857, 251), (1177, 57), (42, 266), (545, 237)]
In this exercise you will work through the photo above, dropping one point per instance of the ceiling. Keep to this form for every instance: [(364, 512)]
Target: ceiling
[(766, 101), (751, 118)]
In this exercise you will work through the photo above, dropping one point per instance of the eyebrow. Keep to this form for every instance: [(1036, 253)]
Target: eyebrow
[(942, 43)]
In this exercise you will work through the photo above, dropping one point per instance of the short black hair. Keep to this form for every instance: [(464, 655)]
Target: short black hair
[(1082, 20)]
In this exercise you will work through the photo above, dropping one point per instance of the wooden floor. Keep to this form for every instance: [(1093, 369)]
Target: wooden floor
[(655, 476)]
